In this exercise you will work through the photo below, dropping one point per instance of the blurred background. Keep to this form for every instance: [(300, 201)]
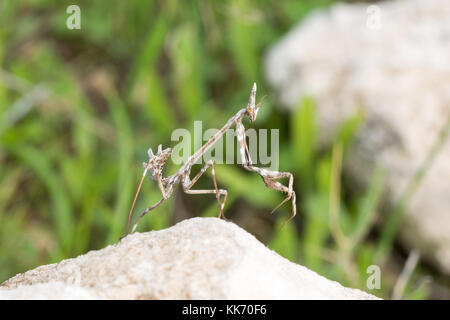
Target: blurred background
[(80, 108)]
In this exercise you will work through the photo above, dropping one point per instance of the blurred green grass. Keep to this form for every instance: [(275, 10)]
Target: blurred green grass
[(79, 108)]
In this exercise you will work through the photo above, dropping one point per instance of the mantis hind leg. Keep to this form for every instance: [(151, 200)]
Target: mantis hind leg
[(164, 197), (143, 213)]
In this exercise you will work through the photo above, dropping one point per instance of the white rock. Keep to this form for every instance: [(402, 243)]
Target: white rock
[(399, 74), (199, 258), (49, 290)]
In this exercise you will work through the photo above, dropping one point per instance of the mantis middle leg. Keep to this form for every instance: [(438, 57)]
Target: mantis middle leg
[(188, 184)]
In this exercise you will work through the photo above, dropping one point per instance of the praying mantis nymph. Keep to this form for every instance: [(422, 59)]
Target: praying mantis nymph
[(166, 184)]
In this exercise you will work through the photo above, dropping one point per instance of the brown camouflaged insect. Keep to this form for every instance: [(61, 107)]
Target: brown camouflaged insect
[(166, 185)]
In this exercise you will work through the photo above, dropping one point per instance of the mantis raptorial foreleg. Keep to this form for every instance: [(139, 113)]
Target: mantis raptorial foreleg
[(268, 176)]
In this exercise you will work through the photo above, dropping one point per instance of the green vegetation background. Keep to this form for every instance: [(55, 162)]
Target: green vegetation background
[(79, 109)]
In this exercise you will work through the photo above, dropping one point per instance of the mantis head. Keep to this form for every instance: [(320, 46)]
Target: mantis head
[(252, 109), (156, 161)]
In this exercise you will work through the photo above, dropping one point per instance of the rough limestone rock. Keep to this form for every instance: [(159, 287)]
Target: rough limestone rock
[(398, 72), (199, 258)]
